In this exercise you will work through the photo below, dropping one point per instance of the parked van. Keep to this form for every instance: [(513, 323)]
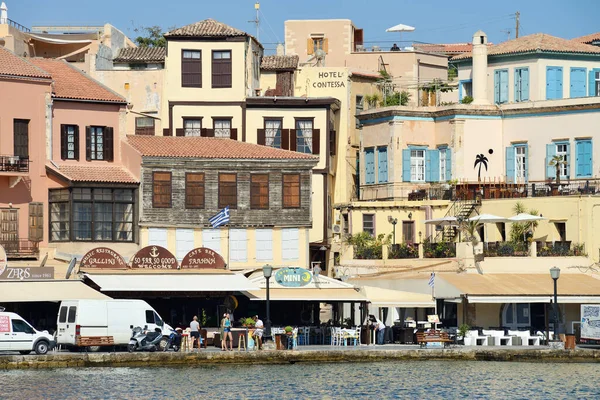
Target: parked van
[(16, 334), (80, 320)]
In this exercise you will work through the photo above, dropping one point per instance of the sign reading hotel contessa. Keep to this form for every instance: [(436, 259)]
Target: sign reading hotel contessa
[(293, 277), (154, 257), (103, 257), (332, 79), (202, 258)]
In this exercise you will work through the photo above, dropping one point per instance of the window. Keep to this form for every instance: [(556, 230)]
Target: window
[(222, 127), (21, 326), (304, 133), (144, 126), (98, 214), (264, 244), (161, 189), (346, 227), (191, 68), (184, 242), (62, 315), (417, 165), (238, 250), (290, 243), (369, 224), (192, 127), (521, 84), (69, 142), (554, 83), (227, 190), (408, 231), (562, 150), (369, 166), (465, 88), (194, 190), (99, 143), (500, 86), (561, 229), (21, 138), (211, 239), (72, 314), (259, 192), (157, 237), (382, 165), (520, 162), (596, 83), (221, 69), (443, 163), (291, 191), (317, 42), (149, 316), (360, 106), (273, 132), (36, 222)]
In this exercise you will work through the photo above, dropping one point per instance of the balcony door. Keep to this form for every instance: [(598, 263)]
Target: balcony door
[(21, 138), (9, 229)]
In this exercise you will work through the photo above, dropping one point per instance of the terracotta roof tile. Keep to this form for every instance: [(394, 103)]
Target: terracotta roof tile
[(594, 37), (446, 48), (13, 65), (207, 28), (536, 42), (141, 54), (71, 83), (94, 173), (215, 148), (278, 63)]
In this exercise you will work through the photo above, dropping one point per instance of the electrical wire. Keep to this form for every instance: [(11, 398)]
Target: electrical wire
[(269, 25)]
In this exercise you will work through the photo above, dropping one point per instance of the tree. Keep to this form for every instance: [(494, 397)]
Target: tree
[(396, 99), (556, 162), (480, 160), (153, 37), (519, 230)]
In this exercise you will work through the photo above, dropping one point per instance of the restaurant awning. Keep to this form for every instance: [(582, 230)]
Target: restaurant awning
[(177, 282), (309, 294), (395, 298), (50, 290)]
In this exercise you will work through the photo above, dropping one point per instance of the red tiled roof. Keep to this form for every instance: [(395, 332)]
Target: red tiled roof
[(588, 38), (94, 173), (537, 42), (206, 28), (203, 147), (141, 55), (13, 65), (279, 63), (446, 48), (71, 83)]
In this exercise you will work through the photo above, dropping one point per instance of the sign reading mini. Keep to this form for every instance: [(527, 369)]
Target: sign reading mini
[(102, 257), (202, 258), (154, 257), (293, 277)]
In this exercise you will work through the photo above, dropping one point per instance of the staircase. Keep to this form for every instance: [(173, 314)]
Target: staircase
[(461, 209)]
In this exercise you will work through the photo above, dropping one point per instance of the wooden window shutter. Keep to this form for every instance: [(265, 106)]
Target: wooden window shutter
[(261, 137), (179, 132), (233, 135), (326, 45), (316, 141), (167, 132), (109, 152), (76, 142), (292, 140), (63, 142), (332, 143), (285, 139), (36, 222), (88, 143), (210, 133), (310, 46)]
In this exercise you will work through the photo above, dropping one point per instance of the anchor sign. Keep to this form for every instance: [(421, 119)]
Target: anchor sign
[(154, 257)]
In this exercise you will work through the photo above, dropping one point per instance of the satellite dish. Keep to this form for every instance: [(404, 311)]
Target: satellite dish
[(44, 260), (231, 302), (71, 266), (320, 54)]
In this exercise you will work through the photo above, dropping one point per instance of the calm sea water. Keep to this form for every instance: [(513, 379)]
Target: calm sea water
[(414, 380)]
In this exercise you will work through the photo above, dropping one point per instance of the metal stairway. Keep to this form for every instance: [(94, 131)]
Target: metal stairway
[(462, 210)]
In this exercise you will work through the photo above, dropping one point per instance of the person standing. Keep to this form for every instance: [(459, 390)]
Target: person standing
[(195, 332), (226, 328), (258, 331), (380, 326)]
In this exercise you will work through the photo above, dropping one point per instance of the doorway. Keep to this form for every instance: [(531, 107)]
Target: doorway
[(516, 315)]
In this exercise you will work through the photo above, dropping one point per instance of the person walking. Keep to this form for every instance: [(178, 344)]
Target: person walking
[(258, 331), (226, 328), (195, 333), (380, 327)]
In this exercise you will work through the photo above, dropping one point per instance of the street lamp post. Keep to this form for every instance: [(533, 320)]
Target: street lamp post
[(555, 274), (267, 272), (393, 221)]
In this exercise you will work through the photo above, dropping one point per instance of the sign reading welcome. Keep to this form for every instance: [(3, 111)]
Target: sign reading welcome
[(293, 277), (202, 258), (103, 257), (154, 257)]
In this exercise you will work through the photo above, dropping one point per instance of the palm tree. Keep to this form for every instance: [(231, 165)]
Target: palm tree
[(556, 162), (480, 160)]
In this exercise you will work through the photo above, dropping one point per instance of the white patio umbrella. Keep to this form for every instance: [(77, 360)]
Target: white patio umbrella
[(525, 217), (401, 28), (487, 219), (446, 221)]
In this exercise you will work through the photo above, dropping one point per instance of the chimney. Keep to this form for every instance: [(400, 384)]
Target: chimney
[(280, 50), (480, 66), (3, 13)]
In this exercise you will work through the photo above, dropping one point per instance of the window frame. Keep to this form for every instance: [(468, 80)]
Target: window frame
[(192, 119), (443, 162), (222, 185), (147, 130), (94, 143), (216, 85), (222, 119), (259, 204), (189, 185), (272, 119), (283, 196), (304, 139), (414, 177), (565, 156), (154, 186), (519, 84), (372, 222), (199, 62), (75, 135)]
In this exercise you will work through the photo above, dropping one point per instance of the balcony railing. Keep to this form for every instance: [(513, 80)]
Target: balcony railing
[(14, 164), (14, 24), (20, 248)]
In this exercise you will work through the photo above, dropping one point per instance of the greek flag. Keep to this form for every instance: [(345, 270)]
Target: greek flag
[(221, 218), (432, 280)]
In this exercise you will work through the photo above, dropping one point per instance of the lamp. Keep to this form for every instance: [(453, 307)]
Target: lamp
[(410, 215), (393, 221), (555, 274), (267, 273)]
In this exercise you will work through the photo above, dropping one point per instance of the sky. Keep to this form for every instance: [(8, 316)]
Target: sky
[(435, 21)]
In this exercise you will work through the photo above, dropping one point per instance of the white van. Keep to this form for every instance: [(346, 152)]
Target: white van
[(18, 335), (79, 319)]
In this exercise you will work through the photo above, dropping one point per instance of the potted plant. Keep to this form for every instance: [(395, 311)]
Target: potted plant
[(288, 330), (462, 332)]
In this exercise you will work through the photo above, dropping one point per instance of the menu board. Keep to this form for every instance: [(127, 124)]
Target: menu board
[(4, 323)]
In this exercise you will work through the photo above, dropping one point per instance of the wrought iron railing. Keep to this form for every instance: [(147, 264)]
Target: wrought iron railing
[(20, 247), (14, 163)]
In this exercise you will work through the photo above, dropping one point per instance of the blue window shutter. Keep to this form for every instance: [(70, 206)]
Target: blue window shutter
[(448, 164), (406, 165), (460, 91), (427, 165), (369, 166), (568, 161), (516, 84), (434, 156), (550, 152), (382, 165), (525, 84), (496, 86), (583, 166), (503, 86), (559, 83), (510, 164), (577, 82), (550, 83), (591, 82)]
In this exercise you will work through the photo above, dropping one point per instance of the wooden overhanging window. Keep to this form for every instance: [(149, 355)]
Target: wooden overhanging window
[(227, 190), (161, 189), (98, 143), (221, 69), (259, 192), (69, 142), (291, 190), (194, 190), (144, 126), (191, 68), (36, 222)]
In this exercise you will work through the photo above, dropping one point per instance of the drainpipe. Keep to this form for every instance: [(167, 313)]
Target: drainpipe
[(419, 82), (49, 127)]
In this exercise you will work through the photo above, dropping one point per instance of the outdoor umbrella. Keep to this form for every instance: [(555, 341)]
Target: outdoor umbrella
[(446, 221), (487, 218), (524, 217), (401, 28)]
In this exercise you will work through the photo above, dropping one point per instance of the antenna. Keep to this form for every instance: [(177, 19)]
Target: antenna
[(508, 32), (257, 20)]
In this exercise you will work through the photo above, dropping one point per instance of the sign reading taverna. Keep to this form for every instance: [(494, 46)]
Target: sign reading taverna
[(293, 277)]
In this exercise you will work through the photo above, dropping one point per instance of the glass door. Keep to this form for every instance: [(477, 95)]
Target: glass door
[(516, 315)]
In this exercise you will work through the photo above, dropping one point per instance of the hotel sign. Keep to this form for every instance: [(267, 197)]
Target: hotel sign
[(202, 258), (331, 79), (154, 257), (103, 257), (293, 277)]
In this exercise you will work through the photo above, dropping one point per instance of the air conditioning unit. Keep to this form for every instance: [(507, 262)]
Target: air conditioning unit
[(337, 228)]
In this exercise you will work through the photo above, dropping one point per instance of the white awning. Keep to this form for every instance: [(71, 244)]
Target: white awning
[(179, 282), (59, 41), (50, 290), (395, 298), (534, 299), (309, 294)]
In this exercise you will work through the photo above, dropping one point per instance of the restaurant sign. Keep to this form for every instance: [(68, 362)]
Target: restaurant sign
[(293, 277), (27, 273), (202, 258), (102, 257), (154, 257)]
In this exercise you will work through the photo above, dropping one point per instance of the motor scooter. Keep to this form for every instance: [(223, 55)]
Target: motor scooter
[(144, 340), (174, 341)]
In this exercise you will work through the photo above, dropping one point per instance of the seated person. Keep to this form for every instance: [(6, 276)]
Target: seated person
[(258, 331), (395, 47)]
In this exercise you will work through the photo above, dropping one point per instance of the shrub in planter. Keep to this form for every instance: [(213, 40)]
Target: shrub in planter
[(506, 250)]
